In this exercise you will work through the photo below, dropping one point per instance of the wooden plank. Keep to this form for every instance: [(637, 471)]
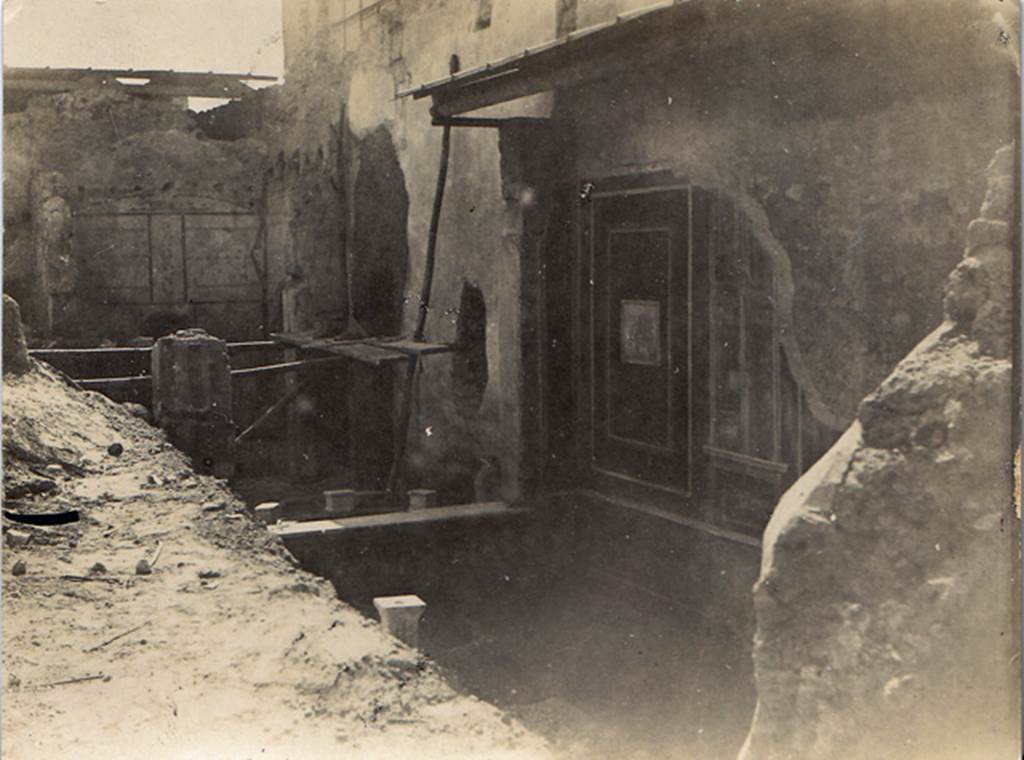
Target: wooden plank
[(283, 367), (246, 344), (42, 353), (415, 348), (358, 350), (368, 354), (396, 519), (295, 340), (112, 382)]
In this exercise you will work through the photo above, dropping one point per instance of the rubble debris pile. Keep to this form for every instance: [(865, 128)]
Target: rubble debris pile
[(888, 602), (165, 618)]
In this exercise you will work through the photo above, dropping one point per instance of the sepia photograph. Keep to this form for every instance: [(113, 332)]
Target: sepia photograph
[(511, 380)]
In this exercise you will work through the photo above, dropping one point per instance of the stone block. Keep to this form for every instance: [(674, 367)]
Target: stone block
[(15, 537), (15, 352), (343, 501), (351, 502), (191, 377), (422, 498), (192, 398), (400, 616), (268, 512)]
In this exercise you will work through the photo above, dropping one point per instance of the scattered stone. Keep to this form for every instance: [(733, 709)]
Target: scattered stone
[(136, 410), (30, 488), (142, 567), (115, 449), (268, 512), (17, 537), (422, 498), (209, 574), (98, 569), (20, 568), (214, 506)]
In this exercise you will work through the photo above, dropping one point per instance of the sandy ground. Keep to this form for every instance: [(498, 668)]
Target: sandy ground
[(227, 650)]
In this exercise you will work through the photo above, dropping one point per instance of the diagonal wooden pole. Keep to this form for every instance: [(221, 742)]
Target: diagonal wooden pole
[(405, 412)]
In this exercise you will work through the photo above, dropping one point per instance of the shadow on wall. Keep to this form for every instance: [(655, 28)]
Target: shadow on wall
[(469, 362), (380, 261), (380, 267)]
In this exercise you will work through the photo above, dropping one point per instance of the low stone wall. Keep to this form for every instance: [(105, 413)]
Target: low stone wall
[(888, 602)]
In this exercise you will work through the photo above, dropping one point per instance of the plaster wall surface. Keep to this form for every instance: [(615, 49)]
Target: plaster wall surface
[(342, 80), (839, 130), (855, 152)]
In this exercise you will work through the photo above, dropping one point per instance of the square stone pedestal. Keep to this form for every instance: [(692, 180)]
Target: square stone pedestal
[(400, 616)]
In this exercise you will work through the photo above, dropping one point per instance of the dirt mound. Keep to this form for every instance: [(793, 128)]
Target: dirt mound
[(223, 649)]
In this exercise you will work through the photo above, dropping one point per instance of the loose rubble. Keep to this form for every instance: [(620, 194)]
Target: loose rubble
[(224, 648)]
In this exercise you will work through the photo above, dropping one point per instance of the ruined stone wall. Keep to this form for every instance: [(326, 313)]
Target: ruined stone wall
[(888, 602), (343, 70), (838, 129), (101, 148), (854, 149)]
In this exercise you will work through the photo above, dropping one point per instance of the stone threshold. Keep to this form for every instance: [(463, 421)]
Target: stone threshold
[(489, 509), (664, 514)]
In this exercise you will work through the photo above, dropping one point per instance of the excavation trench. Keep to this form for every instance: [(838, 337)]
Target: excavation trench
[(609, 633)]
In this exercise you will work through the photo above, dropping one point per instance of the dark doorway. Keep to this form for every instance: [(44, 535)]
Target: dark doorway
[(643, 374)]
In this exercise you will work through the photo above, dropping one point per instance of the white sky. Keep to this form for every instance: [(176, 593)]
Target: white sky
[(234, 36)]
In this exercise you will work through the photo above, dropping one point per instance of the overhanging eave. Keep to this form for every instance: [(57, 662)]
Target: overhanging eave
[(628, 41)]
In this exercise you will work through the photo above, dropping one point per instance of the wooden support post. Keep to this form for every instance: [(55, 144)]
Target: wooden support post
[(402, 429)]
